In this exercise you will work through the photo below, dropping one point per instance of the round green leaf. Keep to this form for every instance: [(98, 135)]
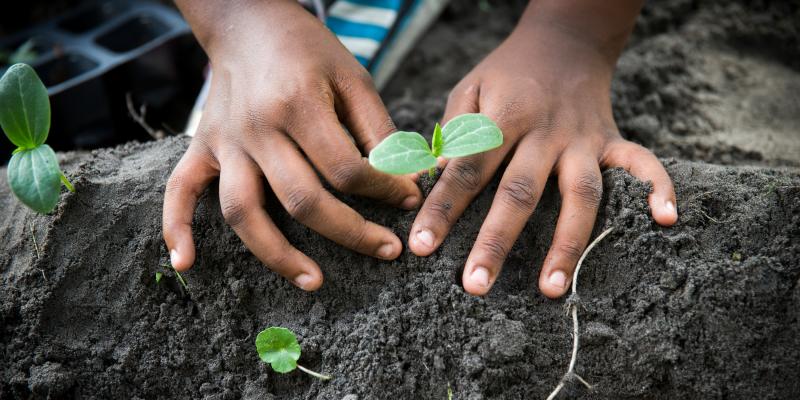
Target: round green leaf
[(24, 107), (35, 178), (402, 153), (469, 134), (278, 347)]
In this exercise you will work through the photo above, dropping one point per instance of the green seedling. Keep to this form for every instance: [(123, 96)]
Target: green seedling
[(408, 152), (278, 347), (168, 266), (25, 53), (33, 172)]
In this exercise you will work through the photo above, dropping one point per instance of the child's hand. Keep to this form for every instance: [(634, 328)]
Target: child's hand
[(281, 84), (547, 86)]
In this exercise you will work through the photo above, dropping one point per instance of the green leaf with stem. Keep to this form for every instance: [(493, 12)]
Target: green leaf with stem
[(402, 153), (469, 134), (35, 179), (408, 152), (24, 107), (278, 347)]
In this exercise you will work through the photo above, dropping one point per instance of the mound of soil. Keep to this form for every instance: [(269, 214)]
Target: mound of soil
[(705, 309)]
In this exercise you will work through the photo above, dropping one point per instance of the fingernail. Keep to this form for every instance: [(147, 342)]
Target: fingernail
[(410, 202), (386, 251), (303, 280), (425, 237), (669, 206), (558, 279), (173, 257), (480, 276)]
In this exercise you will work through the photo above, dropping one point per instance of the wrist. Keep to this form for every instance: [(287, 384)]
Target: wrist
[(600, 28), (226, 28)]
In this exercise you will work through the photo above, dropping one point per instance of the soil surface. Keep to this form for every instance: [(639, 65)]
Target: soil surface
[(705, 309)]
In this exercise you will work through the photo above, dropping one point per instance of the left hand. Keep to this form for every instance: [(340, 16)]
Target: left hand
[(548, 90)]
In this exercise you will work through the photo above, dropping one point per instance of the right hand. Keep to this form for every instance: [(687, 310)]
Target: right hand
[(281, 85)]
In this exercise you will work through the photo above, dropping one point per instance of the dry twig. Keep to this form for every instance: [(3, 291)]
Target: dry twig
[(573, 308)]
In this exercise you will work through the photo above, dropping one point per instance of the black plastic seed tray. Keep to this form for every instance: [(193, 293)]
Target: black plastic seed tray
[(91, 58)]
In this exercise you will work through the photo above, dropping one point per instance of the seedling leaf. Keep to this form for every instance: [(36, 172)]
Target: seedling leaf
[(437, 140), (159, 275), (469, 134), (35, 178), (402, 153), (278, 347), (24, 107)]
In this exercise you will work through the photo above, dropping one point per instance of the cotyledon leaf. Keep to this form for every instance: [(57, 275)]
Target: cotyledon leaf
[(278, 347), (35, 178), (24, 107), (469, 134), (402, 153)]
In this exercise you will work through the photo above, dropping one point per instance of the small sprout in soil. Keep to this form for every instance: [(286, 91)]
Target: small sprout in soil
[(33, 172), (408, 152), (177, 275), (736, 256), (449, 392), (159, 275), (278, 347)]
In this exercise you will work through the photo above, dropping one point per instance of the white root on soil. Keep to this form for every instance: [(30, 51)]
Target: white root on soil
[(573, 308), (314, 374)]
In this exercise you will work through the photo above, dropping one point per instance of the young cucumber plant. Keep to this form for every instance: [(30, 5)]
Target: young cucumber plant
[(33, 172), (278, 347), (408, 152)]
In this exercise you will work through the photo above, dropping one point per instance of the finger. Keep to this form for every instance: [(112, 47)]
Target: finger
[(336, 157), (362, 110), (460, 181), (301, 193), (517, 195), (196, 169), (463, 99), (581, 187), (241, 198), (642, 164)]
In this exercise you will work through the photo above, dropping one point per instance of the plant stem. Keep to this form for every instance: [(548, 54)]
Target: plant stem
[(314, 374), (67, 183), (432, 172), (180, 278), (574, 311), (33, 236)]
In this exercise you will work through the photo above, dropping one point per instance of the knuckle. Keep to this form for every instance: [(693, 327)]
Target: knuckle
[(279, 258), (495, 245), (346, 176), (464, 174), (519, 193), (302, 203), (570, 249), (588, 188), (234, 209), (356, 236), (440, 210)]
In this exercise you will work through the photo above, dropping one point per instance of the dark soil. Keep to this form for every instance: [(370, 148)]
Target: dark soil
[(705, 309)]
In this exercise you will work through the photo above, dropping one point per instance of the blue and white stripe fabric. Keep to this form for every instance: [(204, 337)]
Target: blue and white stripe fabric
[(363, 25)]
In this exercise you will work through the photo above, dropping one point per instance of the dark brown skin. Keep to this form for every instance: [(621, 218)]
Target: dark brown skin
[(547, 86), (282, 82)]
